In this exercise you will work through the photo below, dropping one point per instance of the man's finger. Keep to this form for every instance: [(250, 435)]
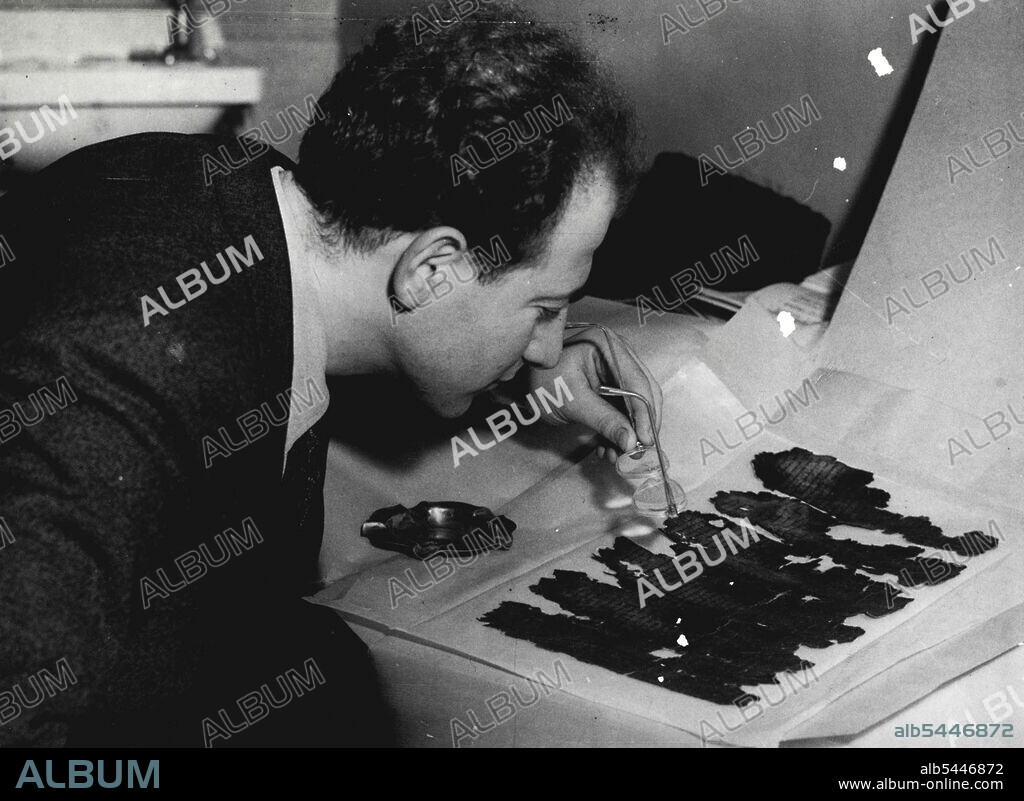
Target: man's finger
[(634, 377), (636, 380), (636, 364), (591, 409)]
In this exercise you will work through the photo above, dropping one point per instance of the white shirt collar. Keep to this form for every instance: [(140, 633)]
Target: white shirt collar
[(308, 394)]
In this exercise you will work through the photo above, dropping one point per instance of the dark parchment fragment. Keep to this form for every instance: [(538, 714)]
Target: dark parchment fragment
[(843, 492), (804, 530), (729, 609)]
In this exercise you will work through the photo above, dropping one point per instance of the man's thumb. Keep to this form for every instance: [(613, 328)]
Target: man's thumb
[(615, 428), (593, 411)]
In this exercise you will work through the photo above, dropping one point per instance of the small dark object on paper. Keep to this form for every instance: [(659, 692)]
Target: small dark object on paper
[(457, 529)]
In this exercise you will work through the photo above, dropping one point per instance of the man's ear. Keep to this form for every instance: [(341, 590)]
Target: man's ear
[(437, 248)]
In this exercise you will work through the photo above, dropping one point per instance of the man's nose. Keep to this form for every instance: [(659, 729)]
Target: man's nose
[(545, 349)]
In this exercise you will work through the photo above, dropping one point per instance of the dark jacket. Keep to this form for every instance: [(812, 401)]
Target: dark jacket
[(119, 527)]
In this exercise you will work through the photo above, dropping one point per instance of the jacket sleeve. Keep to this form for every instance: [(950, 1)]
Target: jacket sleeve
[(83, 471)]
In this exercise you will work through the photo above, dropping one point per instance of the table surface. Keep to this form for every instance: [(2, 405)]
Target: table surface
[(430, 686)]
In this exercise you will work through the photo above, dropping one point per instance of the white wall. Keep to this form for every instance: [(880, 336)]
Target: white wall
[(296, 42)]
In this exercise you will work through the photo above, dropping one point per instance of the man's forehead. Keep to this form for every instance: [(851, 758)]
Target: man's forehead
[(561, 270), (556, 279), (587, 213), (566, 261)]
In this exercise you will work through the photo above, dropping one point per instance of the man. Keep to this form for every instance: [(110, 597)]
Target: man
[(164, 337)]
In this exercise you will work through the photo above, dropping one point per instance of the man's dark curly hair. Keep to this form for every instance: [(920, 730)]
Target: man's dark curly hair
[(380, 161)]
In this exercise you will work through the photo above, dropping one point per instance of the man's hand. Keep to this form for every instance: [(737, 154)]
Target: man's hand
[(585, 365)]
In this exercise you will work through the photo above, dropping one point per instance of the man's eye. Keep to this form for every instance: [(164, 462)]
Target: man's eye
[(548, 315)]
